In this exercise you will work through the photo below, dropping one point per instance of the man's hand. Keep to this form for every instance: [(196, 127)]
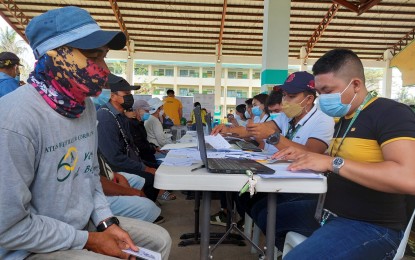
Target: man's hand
[(303, 160), (121, 180), (130, 114), (259, 131), (111, 242), (150, 170), (220, 129)]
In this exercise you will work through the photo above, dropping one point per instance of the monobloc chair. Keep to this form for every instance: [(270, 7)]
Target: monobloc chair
[(293, 239)]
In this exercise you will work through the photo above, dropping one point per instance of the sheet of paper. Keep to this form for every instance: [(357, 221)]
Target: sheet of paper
[(178, 146), (144, 253), (191, 153), (177, 161), (217, 141), (281, 172)]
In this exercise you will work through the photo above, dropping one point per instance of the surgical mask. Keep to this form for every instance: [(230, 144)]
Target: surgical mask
[(331, 104), (292, 110), (103, 98), (145, 116), (161, 112), (128, 102), (273, 116), (247, 115), (257, 111), (237, 117), (17, 78)]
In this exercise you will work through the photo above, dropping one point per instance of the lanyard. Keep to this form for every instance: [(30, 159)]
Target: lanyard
[(356, 114), (292, 131)]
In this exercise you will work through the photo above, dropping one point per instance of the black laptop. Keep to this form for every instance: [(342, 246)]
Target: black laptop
[(225, 165)]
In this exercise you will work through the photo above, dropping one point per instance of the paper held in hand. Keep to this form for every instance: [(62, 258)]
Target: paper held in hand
[(144, 253)]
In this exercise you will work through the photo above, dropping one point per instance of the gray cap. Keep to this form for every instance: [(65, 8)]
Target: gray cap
[(140, 104)]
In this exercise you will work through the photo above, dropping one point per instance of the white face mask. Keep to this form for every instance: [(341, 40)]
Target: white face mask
[(247, 115), (161, 112)]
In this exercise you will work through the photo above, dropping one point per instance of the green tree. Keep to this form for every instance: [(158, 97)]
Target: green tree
[(373, 76), (146, 85), (9, 41), (405, 97)]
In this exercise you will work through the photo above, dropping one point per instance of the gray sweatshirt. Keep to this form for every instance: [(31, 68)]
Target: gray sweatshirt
[(49, 176)]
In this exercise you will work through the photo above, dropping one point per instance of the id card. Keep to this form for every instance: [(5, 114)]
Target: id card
[(144, 254)]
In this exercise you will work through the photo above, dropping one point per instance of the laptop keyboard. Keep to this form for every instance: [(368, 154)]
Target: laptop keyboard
[(226, 164), (247, 146)]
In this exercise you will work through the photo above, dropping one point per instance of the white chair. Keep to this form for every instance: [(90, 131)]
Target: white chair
[(293, 239)]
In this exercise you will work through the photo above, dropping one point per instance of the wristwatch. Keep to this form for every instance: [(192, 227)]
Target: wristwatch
[(107, 223), (338, 162), (273, 139)]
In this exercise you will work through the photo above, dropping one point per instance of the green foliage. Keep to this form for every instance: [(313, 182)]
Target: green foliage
[(10, 42)]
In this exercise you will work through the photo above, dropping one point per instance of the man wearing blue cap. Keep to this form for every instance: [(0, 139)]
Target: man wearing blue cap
[(51, 200)]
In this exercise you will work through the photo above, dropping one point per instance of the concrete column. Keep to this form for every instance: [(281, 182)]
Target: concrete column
[(200, 80), (250, 91), (303, 53), (150, 74), (175, 75), (129, 73), (275, 43), (387, 75), (218, 83)]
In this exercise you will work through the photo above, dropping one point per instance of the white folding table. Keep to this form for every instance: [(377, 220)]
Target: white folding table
[(182, 178)]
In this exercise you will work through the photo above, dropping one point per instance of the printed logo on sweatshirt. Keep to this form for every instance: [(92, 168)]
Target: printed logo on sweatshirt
[(67, 164)]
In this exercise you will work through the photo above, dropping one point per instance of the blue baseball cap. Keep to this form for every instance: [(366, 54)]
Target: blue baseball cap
[(70, 26), (297, 82)]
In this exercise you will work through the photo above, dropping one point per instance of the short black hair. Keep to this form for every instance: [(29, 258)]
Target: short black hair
[(275, 97), (170, 91), (336, 61), (197, 104), (248, 102), (262, 97)]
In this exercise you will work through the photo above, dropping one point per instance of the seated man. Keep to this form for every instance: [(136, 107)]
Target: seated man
[(368, 174), (51, 200), (9, 72), (114, 135), (154, 128), (123, 192)]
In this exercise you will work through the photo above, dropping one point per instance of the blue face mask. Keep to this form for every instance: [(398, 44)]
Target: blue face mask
[(146, 116), (17, 78), (103, 98), (273, 115), (256, 111), (331, 104)]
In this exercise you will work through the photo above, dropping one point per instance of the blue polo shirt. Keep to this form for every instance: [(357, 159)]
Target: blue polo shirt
[(7, 84)]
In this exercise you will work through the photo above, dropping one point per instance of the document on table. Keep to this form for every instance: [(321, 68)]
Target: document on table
[(178, 146), (144, 253), (281, 172), (217, 141)]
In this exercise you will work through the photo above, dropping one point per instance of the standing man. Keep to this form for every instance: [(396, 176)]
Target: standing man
[(52, 205), (173, 107), (9, 72), (370, 167)]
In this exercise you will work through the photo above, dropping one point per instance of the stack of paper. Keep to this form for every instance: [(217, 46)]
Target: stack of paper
[(217, 141), (281, 172)]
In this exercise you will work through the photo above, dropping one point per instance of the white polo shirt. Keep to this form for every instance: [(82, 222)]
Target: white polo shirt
[(315, 124)]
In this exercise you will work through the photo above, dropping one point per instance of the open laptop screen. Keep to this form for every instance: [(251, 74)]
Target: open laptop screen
[(200, 135)]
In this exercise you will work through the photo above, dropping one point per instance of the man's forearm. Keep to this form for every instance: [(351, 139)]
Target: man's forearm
[(114, 189)]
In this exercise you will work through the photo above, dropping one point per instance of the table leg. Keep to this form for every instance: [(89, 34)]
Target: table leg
[(205, 225), (271, 216)]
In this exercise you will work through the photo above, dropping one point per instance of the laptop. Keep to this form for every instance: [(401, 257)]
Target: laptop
[(225, 165), (247, 146)]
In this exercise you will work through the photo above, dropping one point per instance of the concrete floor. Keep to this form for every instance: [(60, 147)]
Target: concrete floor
[(179, 217)]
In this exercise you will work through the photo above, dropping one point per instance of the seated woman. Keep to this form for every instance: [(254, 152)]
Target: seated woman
[(239, 118)]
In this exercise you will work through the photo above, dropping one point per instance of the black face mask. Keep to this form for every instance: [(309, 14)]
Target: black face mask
[(128, 102)]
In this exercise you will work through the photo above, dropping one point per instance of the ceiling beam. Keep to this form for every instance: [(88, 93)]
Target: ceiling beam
[(402, 43), (17, 14), (120, 21), (222, 27), (367, 5), (320, 29)]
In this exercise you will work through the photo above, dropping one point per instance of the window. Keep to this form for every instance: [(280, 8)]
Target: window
[(256, 75), (237, 74), (192, 73), (117, 67), (208, 73), (187, 91), (237, 93), (159, 91), (164, 72)]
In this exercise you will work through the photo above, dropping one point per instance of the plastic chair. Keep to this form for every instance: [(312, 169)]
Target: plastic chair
[(293, 239)]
